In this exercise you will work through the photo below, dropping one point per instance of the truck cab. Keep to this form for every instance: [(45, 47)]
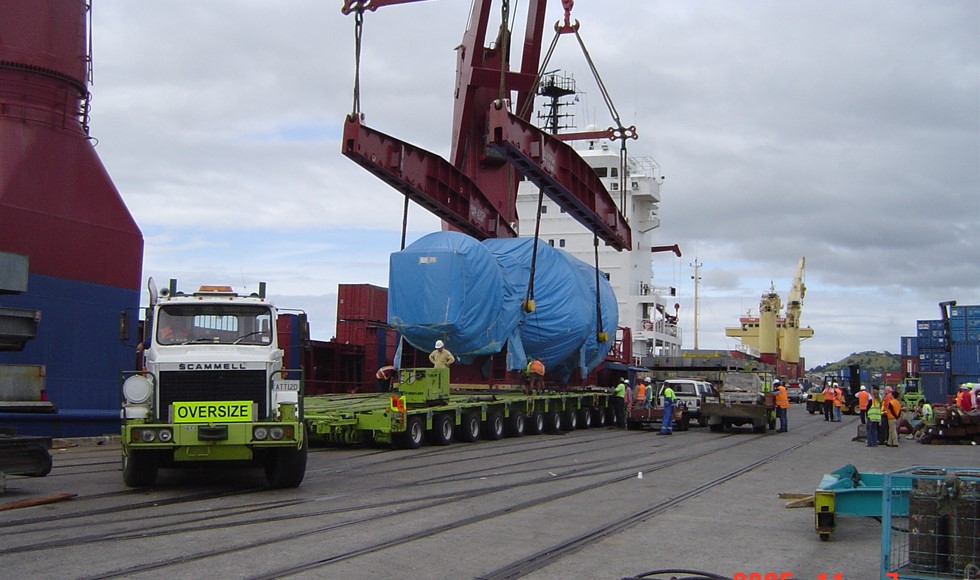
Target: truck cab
[(213, 389)]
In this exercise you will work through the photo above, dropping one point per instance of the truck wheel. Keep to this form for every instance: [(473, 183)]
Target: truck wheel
[(493, 429), (599, 417), (569, 420), (535, 424), (140, 468), (760, 426), (516, 424), (552, 421), (717, 427), (286, 467), (702, 421), (584, 418), (442, 430), (414, 433), (469, 427)]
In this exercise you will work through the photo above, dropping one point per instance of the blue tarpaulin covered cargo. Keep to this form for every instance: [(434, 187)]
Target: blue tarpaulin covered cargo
[(448, 286)]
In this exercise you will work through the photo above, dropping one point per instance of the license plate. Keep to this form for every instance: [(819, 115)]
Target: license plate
[(213, 411)]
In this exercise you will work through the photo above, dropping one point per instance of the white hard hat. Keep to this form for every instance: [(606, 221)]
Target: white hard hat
[(863, 388), (648, 380), (964, 386), (439, 344), (836, 385), (626, 381)]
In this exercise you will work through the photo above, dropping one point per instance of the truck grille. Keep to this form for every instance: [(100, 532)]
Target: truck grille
[(212, 386)]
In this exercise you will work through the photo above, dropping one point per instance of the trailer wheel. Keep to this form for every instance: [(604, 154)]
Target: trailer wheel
[(611, 418), (552, 421), (414, 433), (599, 417), (493, 429), (716, 427), (442, 430), (286, 467), (584, 418), (535, 424), (569, 420), (140, 468), (516, 424), (469, 427)]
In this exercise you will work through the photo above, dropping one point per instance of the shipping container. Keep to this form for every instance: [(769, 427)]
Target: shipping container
[(964, 323), (935, 387), (933, 361), (966, 358), (910, 365), (362, 302), (910, 346), (930, 334)]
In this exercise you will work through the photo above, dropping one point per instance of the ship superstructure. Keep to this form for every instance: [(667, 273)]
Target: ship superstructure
[(642, 305)]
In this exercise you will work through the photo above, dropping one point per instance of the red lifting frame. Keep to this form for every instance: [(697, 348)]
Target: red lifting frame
[(477, 193)]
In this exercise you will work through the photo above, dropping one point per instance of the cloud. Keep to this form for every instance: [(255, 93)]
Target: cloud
[(848, 134)]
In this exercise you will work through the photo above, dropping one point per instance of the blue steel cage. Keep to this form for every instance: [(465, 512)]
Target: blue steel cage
[(942, 538)]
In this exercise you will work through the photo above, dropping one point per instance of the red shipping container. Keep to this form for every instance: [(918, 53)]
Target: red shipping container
[(362, 302), (910, 366)]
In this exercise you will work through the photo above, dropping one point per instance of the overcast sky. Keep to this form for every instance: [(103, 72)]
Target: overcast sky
[(844, 131)]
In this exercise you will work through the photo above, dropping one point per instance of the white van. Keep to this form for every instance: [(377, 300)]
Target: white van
[(691, 392)]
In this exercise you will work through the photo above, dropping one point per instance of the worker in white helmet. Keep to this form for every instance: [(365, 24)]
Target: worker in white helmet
[(441, 358)]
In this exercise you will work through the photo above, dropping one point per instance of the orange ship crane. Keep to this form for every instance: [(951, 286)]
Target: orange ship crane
[(476, 191)]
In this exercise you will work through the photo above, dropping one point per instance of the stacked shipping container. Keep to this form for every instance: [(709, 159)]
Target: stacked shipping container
[(362, 320), (945, 360)]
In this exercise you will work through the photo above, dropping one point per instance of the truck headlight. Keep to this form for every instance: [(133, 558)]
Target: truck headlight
[(165, 435), (260, 433), (276, 433), (137, 389)]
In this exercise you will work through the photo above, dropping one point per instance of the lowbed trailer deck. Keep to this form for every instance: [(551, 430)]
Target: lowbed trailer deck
[(423, 404)]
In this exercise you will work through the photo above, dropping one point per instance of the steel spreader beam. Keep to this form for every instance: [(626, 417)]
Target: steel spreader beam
[(427, 179), (564, 176)]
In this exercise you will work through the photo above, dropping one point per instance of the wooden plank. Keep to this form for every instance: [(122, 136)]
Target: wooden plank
[(36, 501)]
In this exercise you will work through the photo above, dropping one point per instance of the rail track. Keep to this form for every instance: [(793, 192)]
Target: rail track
[(349, 491)]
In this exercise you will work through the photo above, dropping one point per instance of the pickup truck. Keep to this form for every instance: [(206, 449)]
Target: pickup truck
[(690, 392)]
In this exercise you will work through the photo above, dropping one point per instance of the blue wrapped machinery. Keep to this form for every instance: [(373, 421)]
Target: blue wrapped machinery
[(469, 294)]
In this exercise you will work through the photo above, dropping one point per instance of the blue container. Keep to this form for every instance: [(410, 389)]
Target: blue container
[(935, 386), (964, 323), (933, 360), (966, 358), (910, 346)]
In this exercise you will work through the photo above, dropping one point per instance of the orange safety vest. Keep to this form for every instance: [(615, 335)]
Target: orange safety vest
[(536, 367), (893, 409), (782, 397), (838, 398), (829, 394), (641, 392), (863, 398)]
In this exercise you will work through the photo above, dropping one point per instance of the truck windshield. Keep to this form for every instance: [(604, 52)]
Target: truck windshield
[(214, 324)]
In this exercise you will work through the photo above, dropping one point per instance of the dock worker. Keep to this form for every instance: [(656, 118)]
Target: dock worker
[(640, 399), (649, 400), (838, 402), (883, 430), (829, 394), (441, 358), (782, 406), (535, 376), (863, 399), (619, 403), (874, 418), (893, 410), (964, 400), (667, 422)]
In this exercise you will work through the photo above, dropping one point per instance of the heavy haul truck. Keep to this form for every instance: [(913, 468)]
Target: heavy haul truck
[(213, 388)]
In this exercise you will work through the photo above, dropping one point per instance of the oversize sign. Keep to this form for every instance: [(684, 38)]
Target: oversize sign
[(211, 411)]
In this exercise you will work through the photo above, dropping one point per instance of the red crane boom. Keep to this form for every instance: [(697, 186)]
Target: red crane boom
[(477, 192)]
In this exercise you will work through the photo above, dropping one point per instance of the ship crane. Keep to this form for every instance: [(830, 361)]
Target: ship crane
[(476, 192)]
